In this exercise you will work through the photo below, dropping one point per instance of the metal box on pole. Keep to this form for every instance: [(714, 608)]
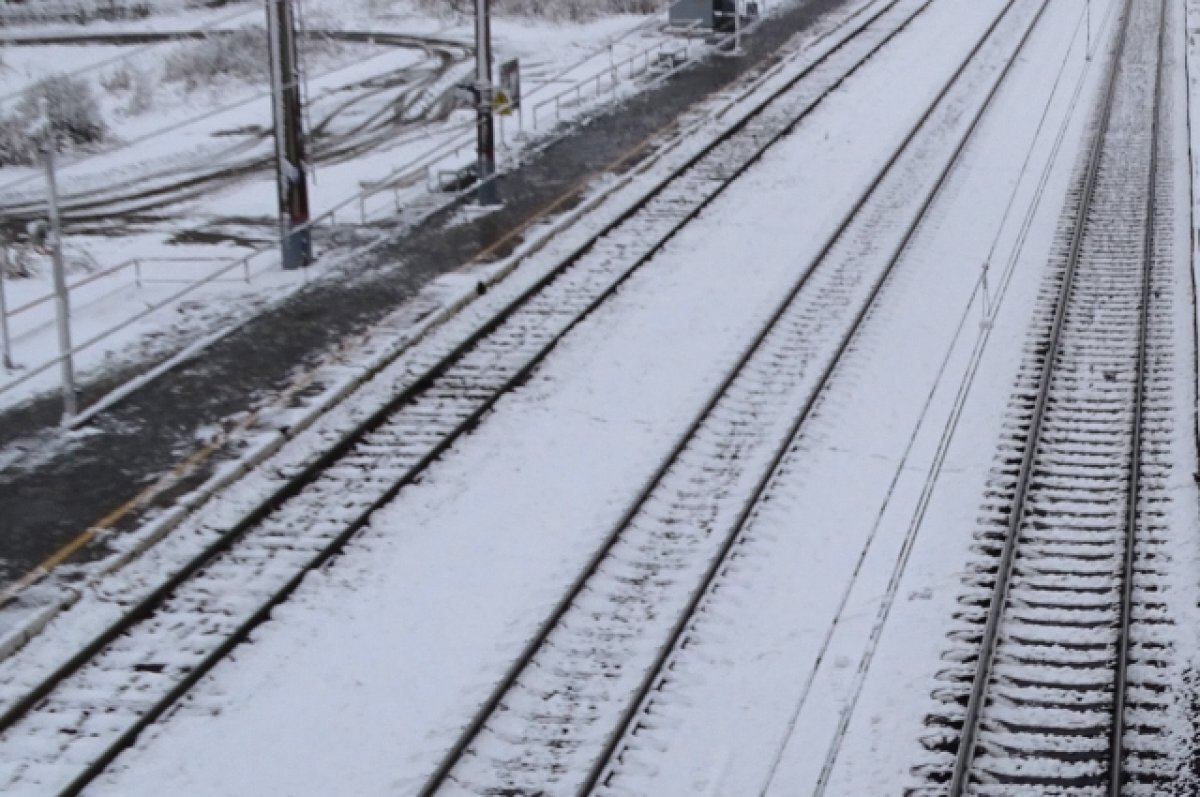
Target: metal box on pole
[(718, 15), (692, 12), (725, 16)]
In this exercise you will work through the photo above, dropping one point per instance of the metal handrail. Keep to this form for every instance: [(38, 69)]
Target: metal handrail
[(150, 308), (134, 263), (614, 71)]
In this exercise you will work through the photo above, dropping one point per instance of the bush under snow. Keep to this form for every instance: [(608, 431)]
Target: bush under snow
[(240, 54), (72, 110)]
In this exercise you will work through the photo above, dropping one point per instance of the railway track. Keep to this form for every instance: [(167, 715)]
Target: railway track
[(573, 702), (60, 729), (1064, 686)]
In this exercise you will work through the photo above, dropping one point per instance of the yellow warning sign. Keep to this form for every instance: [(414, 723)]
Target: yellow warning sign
[(508, 97)]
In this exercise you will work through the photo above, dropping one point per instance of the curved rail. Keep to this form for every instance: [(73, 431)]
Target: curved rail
[(147, 192)]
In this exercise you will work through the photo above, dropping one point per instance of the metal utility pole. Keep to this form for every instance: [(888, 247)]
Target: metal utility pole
[(488, 195), (62, 302), (737, 29), (295, 246)]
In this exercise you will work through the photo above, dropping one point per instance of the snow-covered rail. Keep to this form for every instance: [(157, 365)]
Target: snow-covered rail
[(560, 719), (60, 729), (1066, 689)]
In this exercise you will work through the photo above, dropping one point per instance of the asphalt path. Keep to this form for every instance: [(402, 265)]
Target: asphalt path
[(43, 506)]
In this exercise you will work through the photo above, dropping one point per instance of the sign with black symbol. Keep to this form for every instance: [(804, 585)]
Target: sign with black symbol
[(508, 97)]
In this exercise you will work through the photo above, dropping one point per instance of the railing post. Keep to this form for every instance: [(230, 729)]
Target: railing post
[(5, 342)]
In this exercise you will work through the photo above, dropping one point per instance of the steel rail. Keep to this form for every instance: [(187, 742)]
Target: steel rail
[(1124, 620), (147, 606), (444, 770), (965, 756), (651, 681)]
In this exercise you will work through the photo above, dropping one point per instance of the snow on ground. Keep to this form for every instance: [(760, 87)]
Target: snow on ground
[(757, 699), (380, 657), (392, 648), (554, 58), (278, 439), (878, 748)]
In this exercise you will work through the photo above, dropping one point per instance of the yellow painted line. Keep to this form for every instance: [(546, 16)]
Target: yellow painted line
[(96, 529), (206, 451), (564, 197), (62, 553)]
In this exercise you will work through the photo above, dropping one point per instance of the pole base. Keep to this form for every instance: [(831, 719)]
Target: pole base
[(487, 193), (296, 250)]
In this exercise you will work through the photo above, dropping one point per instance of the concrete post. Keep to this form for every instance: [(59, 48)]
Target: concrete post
[(62, 301)]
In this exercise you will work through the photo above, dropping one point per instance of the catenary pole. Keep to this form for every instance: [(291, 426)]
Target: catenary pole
[(486, 137), (295, 245), (737, 29)]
